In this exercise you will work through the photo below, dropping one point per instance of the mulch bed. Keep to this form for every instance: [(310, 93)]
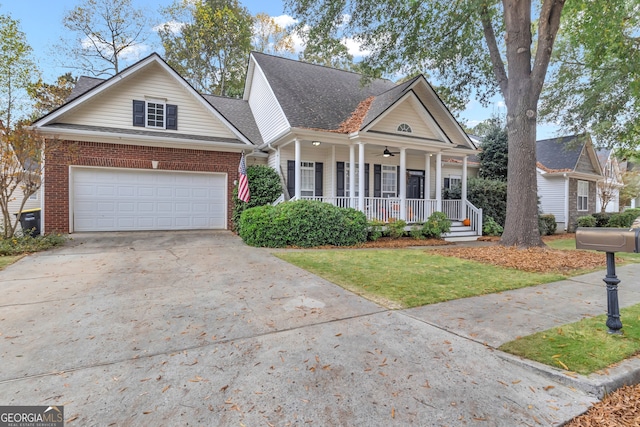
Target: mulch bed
[(620, 408)]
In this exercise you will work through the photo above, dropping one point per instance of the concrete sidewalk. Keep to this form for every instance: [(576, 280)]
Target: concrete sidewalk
[(495, 319), (196, 328)]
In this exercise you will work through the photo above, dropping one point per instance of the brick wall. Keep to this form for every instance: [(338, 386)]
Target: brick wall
[(78, 153)]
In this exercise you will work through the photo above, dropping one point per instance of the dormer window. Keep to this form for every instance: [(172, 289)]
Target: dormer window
[(155, 114), (403, 127)]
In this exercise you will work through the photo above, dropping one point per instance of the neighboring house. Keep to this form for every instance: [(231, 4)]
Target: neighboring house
[(608, 193), (567, 173), (151, 153)]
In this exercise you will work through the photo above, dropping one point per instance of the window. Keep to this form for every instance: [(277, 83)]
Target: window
[(583, 195), (453, 181), (347, 180), (389, 181), (403, 127), (307, 178), (34, 196), (155, 114)]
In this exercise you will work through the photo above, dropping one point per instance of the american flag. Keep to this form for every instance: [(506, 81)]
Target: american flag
[(243, 182)]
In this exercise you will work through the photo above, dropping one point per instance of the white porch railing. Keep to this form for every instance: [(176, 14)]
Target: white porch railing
[(417, 210), (452, 209)]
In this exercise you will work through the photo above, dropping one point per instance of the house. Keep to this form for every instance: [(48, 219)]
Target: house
[(148, 152), (568, 171), (608, 192)]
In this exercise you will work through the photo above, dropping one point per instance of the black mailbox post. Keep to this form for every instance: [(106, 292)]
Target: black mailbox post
[(610, 240)]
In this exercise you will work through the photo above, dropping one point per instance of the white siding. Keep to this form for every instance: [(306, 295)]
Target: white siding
[(441, 116), (14, 205), (114, 107), (406, 113), (551, 191), (269, 116)]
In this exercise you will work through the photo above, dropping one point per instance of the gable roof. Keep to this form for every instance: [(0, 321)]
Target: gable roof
[(89, 86), (564, 154), (316, 97)]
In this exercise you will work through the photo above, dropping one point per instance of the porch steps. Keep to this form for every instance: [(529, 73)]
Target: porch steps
[(460, 233)]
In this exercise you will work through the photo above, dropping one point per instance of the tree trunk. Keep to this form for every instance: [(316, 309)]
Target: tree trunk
[(521, 224)]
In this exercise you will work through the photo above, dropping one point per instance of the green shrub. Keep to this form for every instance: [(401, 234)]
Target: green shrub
[(375, 230), (547, 224), (264, 188), (624, 219), (488, 194), (586, 221), (416, 231), (491, 228), (302, 223), (437, 224), (395, 229), (602, 218), (21, 244)]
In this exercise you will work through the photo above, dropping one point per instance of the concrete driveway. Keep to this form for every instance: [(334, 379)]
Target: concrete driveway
[(195, 328)]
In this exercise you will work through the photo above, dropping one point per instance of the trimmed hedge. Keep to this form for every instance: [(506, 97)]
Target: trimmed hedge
[(624, 219), (586, 221), (302, 223), (602, 218)]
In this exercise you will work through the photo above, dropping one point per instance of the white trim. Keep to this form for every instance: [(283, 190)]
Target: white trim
[(154, 58), (259, 69)]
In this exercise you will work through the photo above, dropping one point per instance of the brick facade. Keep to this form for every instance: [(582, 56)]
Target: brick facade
[(78, 153), (574, 214)]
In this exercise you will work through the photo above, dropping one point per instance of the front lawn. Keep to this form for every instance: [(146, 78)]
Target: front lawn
[(583, 347), (8, 260), (405, 278)]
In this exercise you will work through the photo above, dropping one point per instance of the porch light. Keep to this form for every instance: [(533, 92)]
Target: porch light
[(315, 143)]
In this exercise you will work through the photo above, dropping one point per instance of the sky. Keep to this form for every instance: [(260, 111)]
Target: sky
[(41, 21)]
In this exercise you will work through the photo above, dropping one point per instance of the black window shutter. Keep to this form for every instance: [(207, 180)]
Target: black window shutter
[(291, 178), (172, 117), (319, 168), (446, 183), (340, 179), (377, 181), (366, 180), (398, 181), (138, 113)]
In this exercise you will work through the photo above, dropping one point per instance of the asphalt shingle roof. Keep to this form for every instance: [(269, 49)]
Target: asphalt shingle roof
[(316, 97), (559, 153), (386, 100), (83, 85), (106, 129), (238, 113)]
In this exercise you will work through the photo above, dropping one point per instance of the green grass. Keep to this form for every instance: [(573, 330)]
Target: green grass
[(8, 260), (401, 278), (583, 347), (570, 244)]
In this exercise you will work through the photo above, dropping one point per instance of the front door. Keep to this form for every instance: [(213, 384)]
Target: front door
[(415, 185)]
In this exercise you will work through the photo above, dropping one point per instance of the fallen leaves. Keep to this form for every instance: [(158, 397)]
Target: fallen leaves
[(620, 408), (534, 260)]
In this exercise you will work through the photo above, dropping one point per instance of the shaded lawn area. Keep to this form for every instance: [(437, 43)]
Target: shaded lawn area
[(8, 260), (583, 347), (404, 278)]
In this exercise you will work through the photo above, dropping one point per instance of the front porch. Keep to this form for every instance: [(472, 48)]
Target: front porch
[(415, 210)]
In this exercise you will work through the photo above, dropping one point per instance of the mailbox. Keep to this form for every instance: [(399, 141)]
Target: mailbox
[(608, 239)]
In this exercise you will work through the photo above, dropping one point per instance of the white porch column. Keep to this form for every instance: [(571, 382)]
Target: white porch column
[(298, 174), (361, 206), (463, 207), (403, 183), (334, 187), (439, 182), (427, 176), (352, 175)]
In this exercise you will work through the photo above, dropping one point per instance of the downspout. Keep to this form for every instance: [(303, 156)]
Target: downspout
[(566, 202)]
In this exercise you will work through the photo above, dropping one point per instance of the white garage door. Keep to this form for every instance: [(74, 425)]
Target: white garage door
[(121, 200)]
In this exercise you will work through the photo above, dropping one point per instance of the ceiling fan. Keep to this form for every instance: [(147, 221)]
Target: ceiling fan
[(387, 153)]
